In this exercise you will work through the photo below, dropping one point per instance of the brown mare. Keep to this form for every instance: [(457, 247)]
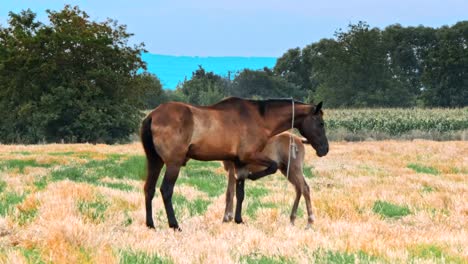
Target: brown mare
[(277, 149), (234, 129)]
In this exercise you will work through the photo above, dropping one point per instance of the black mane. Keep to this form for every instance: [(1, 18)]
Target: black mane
[(263, 104)]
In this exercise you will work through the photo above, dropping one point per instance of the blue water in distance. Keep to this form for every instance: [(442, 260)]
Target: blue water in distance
[(174, 69)]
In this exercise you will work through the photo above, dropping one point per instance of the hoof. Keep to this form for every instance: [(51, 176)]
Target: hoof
[(150, 225), (227, 218), (309, 226), (177, 229), (239, 221)]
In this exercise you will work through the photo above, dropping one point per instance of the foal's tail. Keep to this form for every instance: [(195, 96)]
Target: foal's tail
[(153, 159)]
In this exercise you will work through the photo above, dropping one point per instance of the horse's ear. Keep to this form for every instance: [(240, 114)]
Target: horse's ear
[(318, 108)]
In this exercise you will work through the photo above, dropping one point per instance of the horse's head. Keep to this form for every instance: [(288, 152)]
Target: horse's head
[(313, 129)]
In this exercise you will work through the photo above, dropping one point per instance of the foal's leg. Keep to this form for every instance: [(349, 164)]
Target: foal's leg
[(228, 214), (306, 193), (167, 189), (292, 218), (293, 179), (153, 166)]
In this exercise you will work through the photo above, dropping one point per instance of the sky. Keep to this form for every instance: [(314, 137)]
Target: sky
[(264, 28)]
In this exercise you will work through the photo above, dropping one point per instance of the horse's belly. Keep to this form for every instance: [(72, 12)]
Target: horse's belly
[(207, 151)]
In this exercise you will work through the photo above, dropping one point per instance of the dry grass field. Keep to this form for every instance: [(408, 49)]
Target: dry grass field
[(374, 202)]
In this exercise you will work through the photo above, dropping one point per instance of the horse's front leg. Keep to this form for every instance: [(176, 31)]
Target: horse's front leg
[(241, 172), (167, 189)]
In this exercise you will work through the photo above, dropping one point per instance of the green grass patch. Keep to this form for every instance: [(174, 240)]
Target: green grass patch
[(32, 255), (255, 191), (433, 252), (260, 259), (459, 170), (93, 210), (253, 194), (118, 186), (389, 210), (21, 164), (427, 189), (308, 172), (134, 257), (119, 167), (67, 153), (41, 183), (3, 186), (27, 216), (195, 207), (203, 178), (204, 164), (116, 166), (328, 256), (8, 201), (423, 169), (73, 173), (254, 204), (25, 153), (128, 219)]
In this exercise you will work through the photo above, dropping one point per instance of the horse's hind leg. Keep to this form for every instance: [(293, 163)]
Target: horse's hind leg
[(228, 213), (240, 199), (154, 165), (167, 189)]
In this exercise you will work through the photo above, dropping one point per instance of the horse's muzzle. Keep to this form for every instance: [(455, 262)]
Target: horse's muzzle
[(322, 151)]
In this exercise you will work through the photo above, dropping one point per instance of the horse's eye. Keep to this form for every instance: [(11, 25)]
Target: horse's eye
[(322, 124)]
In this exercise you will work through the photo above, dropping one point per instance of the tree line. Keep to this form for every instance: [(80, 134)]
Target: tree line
[(360, 67), (78, 80)]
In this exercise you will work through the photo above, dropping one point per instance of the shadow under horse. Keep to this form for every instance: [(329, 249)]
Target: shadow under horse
[(234, 129)]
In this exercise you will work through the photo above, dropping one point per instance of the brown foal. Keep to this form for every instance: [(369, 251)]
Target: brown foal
[(234, 129), (277, 149)]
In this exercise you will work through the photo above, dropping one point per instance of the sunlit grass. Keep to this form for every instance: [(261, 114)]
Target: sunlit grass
[(373, 203)]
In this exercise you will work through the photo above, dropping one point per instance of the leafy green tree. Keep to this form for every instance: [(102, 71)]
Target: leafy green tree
[(295, 68), (204, 88), (353, 70), (445, 76), (71, 79), (264, 84), (154, 94)]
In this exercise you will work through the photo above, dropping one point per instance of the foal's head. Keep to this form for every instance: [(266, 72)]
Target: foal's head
[(312, 128)]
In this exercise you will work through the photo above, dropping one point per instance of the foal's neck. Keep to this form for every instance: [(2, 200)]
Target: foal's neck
[(278, 117)]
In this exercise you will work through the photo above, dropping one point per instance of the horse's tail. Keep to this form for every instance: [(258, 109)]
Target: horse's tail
[(153, 159), (147, 139), (154, 164)]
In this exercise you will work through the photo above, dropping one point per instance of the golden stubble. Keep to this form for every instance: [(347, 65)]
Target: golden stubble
[(346, 184)]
